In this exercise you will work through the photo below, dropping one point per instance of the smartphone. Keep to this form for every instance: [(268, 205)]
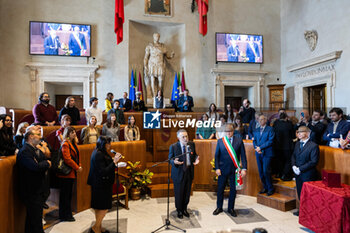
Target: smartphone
[(302, 114)]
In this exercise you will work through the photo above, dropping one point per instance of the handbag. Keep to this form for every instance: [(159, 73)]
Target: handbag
[(59, 165)]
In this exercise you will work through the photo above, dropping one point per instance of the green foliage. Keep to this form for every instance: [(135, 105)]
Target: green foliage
[(136, 177)]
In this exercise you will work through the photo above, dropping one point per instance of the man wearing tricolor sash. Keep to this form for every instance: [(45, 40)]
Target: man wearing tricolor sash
[(229, 157), (77, 43)]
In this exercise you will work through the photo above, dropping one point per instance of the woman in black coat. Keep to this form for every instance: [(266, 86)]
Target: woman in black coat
[(7, 145), (101, 179)]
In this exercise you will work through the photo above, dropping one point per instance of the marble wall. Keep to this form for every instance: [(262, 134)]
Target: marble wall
[(331, 20), (196, 54)]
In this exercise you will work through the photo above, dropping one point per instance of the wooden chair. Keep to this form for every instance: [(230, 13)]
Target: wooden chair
[(122, 191)]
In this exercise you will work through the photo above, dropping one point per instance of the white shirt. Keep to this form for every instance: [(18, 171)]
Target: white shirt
[(97, 112)]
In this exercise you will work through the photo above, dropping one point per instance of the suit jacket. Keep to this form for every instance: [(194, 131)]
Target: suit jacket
[(50, 47), (139, 106), (74, 45), (127, 105), (284, 135), (342, 128), (32, 169), (306, 159), (182, 101), (264, 141), (177, 170), (69, 152), (223, 160), (101, 174)]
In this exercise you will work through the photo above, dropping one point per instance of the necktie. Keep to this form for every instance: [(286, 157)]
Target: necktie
[(301, 145), (184, 166), (261, 131)]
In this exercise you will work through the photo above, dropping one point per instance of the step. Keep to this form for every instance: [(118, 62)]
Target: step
[(160, 178), (287, 188), (161, 190), (277, 201), (161, 168)]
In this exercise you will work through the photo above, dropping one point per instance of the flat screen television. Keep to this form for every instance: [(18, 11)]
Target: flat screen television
[(239, 48), (59, 39)]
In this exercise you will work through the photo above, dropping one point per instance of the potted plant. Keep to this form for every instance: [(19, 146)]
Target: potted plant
[(137, 180)]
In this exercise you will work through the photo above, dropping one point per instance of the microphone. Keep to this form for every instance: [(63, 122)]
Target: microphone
[(113, 151)]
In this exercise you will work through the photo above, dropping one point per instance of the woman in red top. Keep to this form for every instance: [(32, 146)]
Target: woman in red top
[(70, 153)]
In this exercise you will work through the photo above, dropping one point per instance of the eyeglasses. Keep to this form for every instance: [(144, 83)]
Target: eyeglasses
[(9, 120)]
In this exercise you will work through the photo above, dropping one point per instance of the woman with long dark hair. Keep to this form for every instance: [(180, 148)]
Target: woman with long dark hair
[(70, 109), (230, 115), (70, 154), (158, 101), (213, 113), (111, 128), (241, 130), (7, 145), (131, 131), (101, 178)]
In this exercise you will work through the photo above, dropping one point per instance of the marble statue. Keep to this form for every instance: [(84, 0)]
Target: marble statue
[(154, 65)]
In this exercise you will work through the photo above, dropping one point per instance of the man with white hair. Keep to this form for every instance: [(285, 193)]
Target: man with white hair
[(304, 159), (182, 171)]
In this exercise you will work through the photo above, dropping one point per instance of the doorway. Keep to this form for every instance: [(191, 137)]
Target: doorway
[(235, 102), (317, 98)]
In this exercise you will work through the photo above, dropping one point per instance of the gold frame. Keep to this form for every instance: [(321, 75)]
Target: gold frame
[(155, 12)]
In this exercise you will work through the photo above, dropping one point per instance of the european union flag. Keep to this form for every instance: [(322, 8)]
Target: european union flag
[(175, 92), (132, 87)]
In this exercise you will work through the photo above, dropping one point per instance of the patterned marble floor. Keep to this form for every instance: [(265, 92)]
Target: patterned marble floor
[(148, 214)]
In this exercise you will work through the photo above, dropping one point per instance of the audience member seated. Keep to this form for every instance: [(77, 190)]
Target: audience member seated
[(101, 178), (158, 101), (213, 113), (131, 131), (324, 118), (111, 128), (246, 112), (221, 132), (20, 134), (230, 114), (70, 109), (93, 110), (253, 125), (336, 129), (44, 113), (205, 131), (7, 145), (185, 103), (119, 113), (125, 103), (65, 122), (138, 105), (90, 133), (108, 101), (283, 147), (240, 129)]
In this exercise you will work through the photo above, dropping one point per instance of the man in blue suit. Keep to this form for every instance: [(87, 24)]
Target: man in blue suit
[(263, 140), (125, 103), (226, 169), (77, 43), (185, 102), (52, 43), (337, 127), (304, 159), (182, 171)]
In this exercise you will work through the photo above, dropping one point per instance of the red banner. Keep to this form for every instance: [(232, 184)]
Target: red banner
[(119, 20), (203, 7)]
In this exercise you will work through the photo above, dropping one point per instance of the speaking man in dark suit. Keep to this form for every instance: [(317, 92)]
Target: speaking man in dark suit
[(33, 166), (263, 140), (229, 150), (182, 171), (185, 103), (125, 103), (304, 159), (52, 43)]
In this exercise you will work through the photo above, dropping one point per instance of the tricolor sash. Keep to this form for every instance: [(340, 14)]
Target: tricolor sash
[(76, 37), (233, 156)]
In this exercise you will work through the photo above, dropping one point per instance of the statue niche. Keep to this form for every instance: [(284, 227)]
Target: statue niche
[(154, 65)]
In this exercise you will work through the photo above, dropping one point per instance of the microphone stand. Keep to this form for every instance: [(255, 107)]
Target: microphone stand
[(117, 199), (167, 221)]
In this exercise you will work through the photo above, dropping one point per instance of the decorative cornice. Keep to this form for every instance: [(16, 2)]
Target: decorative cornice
[(315, 61), (38, 65), (240, 72)]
